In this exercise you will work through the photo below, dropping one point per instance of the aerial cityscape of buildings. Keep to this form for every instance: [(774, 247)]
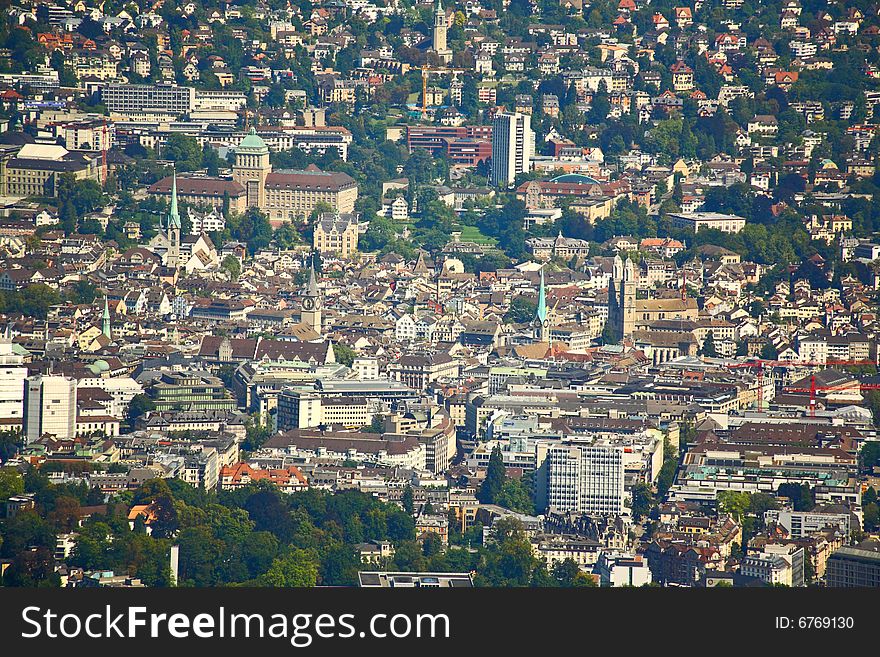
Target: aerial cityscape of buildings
[(423, 294)]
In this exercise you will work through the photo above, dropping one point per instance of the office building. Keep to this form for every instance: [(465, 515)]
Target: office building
[(619, 569), (141, 98), (50, 407), (513, 143), (580, 476), (855, 567), (12, 377), (697, 221), (373, 579)]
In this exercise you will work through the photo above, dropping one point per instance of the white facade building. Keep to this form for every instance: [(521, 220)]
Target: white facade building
[(513, 144), (50, 407), (581, 476)]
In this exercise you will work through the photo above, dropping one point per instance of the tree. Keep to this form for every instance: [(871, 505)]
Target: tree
[(432, 545), (82, 292), (184, 151), (11, 483), (869, 455), (871, 513), (298, 568), (709, 349), (801, 496), (642, 500), (522, 311), (376, 425), (139, 405), (495, 477), (344, 354), (232, 266), (407, 499), (514, 495), (734, 503)]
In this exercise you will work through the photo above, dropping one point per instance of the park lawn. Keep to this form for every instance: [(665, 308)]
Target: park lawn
[(473, 234)]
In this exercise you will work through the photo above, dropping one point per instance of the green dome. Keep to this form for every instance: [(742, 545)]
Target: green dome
[(99, 367), (253, 142)]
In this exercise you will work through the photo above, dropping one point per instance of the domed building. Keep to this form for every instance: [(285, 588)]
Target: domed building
[(251, 168)]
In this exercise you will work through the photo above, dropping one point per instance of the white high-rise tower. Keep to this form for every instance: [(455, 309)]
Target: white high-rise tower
[(513, 143)]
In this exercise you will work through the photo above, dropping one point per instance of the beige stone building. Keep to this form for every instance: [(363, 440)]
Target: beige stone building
[(293, 195), (336, 234)]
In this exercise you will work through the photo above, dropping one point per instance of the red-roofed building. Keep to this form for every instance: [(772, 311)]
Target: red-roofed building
[(288, 480)]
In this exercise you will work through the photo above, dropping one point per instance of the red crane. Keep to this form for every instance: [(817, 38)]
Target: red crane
[(840, 388), (104, 155), (760, 364)]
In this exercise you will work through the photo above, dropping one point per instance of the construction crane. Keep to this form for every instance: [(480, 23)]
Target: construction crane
[(839, 388), (104, 142), (426, 71), (759, 364)]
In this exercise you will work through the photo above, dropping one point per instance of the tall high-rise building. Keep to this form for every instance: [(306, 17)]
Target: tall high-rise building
[(439, 42), (513, 143), (580, 476), (13, 373), (622, 299), (49, 407)]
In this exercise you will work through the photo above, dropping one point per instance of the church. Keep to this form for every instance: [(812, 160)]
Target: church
[(182, 252), (627, 314)]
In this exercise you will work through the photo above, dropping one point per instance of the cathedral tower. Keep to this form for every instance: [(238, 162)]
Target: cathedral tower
[(622, 299)]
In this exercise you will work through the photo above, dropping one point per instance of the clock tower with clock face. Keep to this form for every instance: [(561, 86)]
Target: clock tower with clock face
[(311, 304), (541, 322)]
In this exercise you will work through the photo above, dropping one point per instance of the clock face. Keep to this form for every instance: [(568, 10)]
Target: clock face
[(308, 304), (546, 323)]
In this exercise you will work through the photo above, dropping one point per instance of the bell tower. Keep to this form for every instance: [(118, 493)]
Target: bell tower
[(439, 41), (311, 303)]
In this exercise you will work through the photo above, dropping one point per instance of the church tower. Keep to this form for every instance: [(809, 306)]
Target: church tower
[(622, 299), (541, 323), (311, 303), (252, 167), (439, 43), (172, 257)]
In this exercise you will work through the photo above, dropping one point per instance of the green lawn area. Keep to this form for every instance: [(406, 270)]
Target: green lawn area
[(473, 234)]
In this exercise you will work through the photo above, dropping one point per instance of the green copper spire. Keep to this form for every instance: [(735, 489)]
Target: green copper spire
[(174, 215), (541, 310), (105, 319)]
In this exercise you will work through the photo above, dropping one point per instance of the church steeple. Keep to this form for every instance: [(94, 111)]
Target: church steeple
[(541, 323), (174, 214), (105, 319), (172, 257)]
